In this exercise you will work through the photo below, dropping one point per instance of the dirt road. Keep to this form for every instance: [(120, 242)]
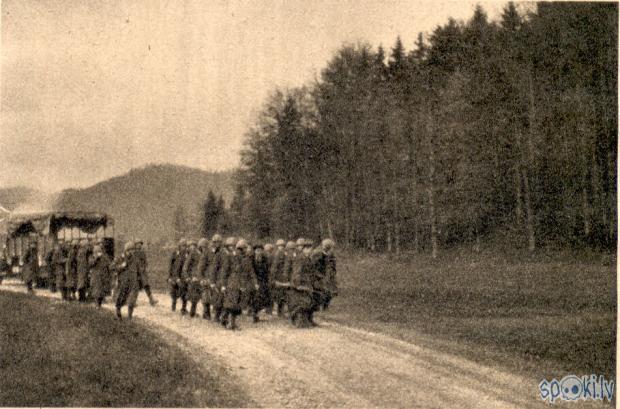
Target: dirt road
[(333, 365)]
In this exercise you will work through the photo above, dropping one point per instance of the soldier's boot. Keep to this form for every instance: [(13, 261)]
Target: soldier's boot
[(233, 323), (224, 319), (192, 310), (82, 295), (29, 285), (119, 316), (218, 314), (184, 307), (147, 290), (311, 319), (255, 316), (280, 310), (326, 302), (53, 288), (129, 312), (206, 313), (173, 307), (99, 302)]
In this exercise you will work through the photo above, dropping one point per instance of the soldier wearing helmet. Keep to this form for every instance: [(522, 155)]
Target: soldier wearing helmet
[(59, 260), (175, 267), (326, 272), (301, 298), (210, 266), (191, 274), (99, 274), (279, 276), (144, 271), (71, 270), (30, 270), (228, 253), (184, 286), (127, 287), (261, 298), (238, 281), (83, 278)]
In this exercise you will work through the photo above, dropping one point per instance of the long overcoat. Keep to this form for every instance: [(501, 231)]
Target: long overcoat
[(82, 267), (30, 270), (100, 276), (127, 286)]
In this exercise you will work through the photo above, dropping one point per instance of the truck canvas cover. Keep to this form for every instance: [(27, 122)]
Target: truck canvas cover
[(52, 222)]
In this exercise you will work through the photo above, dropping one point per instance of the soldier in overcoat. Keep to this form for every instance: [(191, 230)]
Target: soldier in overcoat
[(280, 281), (302, 301), (100, 275), (51, 271), (82, 270), (127, 286), (228, 264), (30, 270), (175, 267), (239, 282), (143, 275), (326, 282), (212, 294), (192, 274), (59, 259), (261, 297), (71, 270)]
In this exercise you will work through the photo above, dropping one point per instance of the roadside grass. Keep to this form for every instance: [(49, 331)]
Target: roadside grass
[(546, 314), (60, 354)]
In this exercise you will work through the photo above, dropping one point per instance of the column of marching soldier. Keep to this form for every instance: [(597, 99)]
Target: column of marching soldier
[(227, 277)]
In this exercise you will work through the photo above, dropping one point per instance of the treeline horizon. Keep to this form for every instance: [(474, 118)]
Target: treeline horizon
[(481, 128)]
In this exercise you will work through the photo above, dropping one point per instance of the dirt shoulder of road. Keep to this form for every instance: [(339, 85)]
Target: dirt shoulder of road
[(65, 354)]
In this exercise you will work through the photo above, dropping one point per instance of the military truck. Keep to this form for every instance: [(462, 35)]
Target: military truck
[(46, 229)]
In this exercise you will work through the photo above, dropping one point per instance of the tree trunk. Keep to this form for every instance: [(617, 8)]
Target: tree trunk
[(431, 199), (529, 217), (528, 164), (518, 196)]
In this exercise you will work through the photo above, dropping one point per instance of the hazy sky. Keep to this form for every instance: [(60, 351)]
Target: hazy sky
[(91, 89)]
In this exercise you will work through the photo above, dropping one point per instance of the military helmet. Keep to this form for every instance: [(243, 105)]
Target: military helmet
[(328, 244), (300, 241), (182, 242), (230, 241), (280, 242), (191, 242), (241, 244), (216, 238), (257, 246), (203, 242), (308, 243), (128, 246), (268, 247), (290, 245)]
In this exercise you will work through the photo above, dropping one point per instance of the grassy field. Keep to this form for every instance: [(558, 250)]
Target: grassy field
[(59, 354), (547, 314)]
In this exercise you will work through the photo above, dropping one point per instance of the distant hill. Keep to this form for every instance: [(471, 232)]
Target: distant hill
[(143, 201), (25, 199)]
